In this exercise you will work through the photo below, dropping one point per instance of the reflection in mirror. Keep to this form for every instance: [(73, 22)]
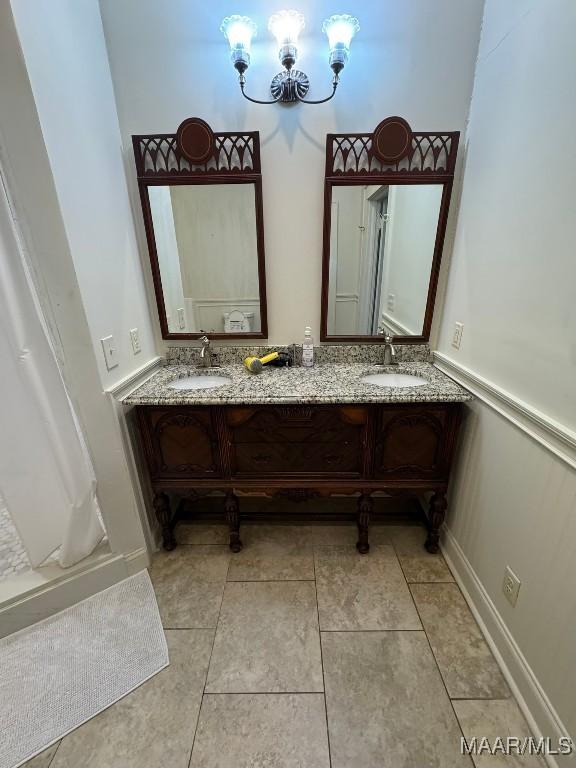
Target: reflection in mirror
[(206, 242), (382, 240)]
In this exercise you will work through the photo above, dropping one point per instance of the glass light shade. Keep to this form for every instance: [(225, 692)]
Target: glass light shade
[(340, 30), (239, 30), (286, 26)]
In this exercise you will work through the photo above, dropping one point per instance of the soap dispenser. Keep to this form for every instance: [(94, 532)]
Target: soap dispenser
[(308, 348)]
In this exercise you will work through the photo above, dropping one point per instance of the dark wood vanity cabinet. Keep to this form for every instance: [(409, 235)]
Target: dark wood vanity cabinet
[(300, 449), (296, 441)]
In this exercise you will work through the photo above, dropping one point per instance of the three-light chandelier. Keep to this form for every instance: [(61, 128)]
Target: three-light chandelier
[(291, 85)]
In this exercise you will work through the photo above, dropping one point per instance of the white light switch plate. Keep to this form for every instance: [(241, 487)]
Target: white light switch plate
[(110, 352), (135, 339), (457, 337)]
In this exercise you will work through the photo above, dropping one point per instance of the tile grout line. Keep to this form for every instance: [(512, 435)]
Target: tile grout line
[(55, 752), (265, 693), (399, 561), (268, 581), (331, 631), (471, 763), (209, 660), (322, 659)]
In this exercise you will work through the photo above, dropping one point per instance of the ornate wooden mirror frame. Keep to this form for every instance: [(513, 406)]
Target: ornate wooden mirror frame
[(392, 154), (197, 155)]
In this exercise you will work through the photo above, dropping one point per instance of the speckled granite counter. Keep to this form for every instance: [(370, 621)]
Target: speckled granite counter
[(326, 383)]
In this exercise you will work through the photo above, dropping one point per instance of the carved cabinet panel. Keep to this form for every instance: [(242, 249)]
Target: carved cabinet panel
[(414, 442), (300, 440), (181, 441)]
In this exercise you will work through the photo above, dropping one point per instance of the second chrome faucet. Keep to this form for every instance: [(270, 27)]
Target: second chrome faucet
[(206, 354), (389, 351)]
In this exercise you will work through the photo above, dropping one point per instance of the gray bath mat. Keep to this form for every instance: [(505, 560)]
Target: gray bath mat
[(59, 673)]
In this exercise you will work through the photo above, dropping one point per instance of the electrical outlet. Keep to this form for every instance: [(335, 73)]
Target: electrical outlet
[(391, 302), (181, 318), (511, 586), (110, 352), (135, 339), (457, 337)]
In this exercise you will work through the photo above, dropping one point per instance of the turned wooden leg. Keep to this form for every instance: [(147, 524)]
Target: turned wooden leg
[(436, 514), (365, 505), (164, 516), (232, 511)]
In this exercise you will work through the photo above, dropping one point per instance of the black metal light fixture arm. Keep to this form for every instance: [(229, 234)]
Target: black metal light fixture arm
[(242, 81), (322, 101)]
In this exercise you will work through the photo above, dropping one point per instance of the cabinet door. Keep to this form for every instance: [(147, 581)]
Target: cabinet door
[(180, 442), (415, 442), (297, 440)]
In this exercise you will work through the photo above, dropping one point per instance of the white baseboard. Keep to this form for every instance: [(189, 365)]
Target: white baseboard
[(540, 715), (136, 561), (72, 586)]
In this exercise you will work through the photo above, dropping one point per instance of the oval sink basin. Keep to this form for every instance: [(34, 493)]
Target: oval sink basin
[(200, 382), (393, 380)]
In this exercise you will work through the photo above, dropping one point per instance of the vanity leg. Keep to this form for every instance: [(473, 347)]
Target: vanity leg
[(232, 510), (365, 505), (436, 514), (164, 516)]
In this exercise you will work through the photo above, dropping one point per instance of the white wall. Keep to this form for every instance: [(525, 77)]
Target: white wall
[(512, 281), (513, 273), (168, 257), (216, 235), (66, 59), (408, 253), (346, 250), (169, 61)]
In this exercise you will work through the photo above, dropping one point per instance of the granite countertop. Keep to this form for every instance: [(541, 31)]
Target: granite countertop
[(326, 383)]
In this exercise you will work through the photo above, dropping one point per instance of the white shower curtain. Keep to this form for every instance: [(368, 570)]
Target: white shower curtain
[(46, 477)]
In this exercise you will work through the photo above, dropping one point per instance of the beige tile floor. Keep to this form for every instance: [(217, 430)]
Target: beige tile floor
[(300, 653)]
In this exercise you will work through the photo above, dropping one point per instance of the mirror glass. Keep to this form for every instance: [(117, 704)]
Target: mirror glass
[(207, 246), (382, 240)]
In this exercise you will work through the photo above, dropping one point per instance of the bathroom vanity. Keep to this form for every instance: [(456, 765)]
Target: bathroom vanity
[(300, 433)]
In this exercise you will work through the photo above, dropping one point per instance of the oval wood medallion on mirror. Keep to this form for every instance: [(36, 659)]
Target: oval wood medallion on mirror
[(195, 140), (392, 139)]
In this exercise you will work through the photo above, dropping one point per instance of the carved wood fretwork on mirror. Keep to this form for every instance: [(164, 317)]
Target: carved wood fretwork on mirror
[(386, 200), (201, 195)]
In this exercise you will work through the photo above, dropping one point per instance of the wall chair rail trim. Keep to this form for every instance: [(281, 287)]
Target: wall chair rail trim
[(552, 435), (134, 380)]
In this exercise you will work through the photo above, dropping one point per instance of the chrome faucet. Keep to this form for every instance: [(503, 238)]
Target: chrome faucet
[(389, 350), (205, 353)]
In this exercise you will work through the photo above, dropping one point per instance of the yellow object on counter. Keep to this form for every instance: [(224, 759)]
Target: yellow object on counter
[(255, 364)]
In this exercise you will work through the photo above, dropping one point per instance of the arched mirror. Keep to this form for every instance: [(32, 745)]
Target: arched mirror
[(201, 195), (387, 195)]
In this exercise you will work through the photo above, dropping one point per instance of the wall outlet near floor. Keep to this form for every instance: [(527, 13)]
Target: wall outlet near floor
[(181, 318), (110, 352), (511, 586), (391, 302), (135, 339), (457, 336)]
